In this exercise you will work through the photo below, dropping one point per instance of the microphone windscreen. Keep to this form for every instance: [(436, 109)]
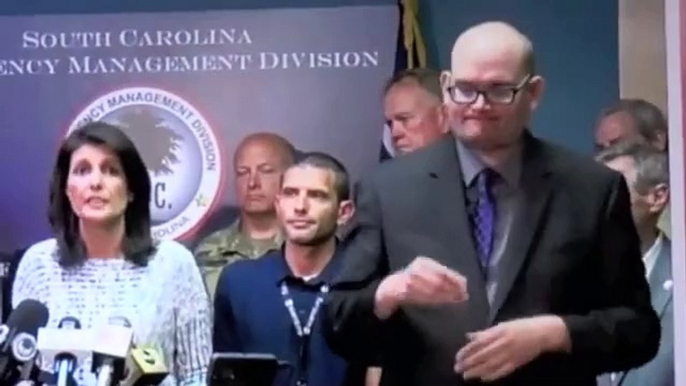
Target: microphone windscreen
[(28, 317)]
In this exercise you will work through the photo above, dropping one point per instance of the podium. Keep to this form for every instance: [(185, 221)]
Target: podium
[(239, 369)]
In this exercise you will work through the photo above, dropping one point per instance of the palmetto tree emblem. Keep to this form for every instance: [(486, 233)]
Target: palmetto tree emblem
[(154, 138)]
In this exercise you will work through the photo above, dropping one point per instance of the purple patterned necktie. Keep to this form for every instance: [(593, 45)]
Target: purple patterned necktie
[(483, 217)]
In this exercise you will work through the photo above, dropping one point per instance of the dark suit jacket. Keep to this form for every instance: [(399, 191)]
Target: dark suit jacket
[(659, 371), (574, 253)]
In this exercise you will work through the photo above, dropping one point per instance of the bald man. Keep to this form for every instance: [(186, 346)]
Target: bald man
[(491, 255), (259, 162)]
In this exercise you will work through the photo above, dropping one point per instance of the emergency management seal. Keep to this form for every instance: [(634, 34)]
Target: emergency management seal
[(179, 147)]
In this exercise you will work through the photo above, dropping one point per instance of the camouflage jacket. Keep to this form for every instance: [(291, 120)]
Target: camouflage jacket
[(226, 246)]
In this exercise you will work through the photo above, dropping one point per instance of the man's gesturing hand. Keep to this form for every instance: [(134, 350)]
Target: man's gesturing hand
[(496, 352), (423, 282)]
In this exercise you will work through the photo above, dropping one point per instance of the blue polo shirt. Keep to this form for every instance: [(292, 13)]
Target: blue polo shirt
[(250, 317)]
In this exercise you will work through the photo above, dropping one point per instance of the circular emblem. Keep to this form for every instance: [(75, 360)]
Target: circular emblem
[(179, 148)]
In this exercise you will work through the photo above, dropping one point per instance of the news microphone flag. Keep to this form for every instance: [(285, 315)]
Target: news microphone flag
[(145, 367)]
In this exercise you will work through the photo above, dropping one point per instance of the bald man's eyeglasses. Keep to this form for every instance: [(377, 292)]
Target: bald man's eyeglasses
[(464, 93)]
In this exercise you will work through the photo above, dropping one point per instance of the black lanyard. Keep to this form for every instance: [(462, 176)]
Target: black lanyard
[(303, 332)]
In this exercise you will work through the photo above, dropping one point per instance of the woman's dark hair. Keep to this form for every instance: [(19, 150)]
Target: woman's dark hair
[(137, 245)]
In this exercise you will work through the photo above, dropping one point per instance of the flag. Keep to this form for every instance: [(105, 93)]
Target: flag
[(410, 53)]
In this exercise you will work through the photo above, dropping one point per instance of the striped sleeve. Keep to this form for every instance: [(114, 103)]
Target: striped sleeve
[(193, 328), (30, 280)]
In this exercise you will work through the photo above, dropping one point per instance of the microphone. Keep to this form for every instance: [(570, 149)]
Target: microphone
[(145, 367), (25, 350), (111, 346), (67, 347), (17, 338)]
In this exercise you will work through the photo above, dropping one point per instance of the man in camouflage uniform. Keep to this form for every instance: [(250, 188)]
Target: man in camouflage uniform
[(259, 162)]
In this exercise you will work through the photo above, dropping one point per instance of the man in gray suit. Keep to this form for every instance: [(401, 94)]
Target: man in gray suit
[(646, 172)]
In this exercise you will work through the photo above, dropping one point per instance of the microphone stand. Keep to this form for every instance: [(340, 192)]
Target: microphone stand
[(105, 375), (38, 378), (65, 370)]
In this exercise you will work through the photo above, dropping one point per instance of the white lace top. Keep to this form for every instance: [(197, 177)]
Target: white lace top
[(166, 303)]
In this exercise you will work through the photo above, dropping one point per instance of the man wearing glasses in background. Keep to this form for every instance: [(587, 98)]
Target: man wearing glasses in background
[(492, 255)]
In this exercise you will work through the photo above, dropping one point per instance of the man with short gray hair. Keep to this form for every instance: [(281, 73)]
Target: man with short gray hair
[(640, 121), (414, 111), (632, 119), (646, 171)]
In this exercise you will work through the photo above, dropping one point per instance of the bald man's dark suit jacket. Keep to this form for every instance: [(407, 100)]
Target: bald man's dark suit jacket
[(574, 253)]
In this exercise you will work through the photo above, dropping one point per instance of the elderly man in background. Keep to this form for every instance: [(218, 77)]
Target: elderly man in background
[(646, 171), (413, 110), (640, 121)]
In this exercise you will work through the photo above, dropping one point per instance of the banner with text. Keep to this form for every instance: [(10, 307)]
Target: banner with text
[(187, 87)]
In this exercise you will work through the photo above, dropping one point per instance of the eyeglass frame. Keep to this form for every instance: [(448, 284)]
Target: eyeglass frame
[(515, 90)]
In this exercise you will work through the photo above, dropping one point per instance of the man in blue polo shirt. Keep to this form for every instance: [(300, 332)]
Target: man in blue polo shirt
[(271, 305)]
